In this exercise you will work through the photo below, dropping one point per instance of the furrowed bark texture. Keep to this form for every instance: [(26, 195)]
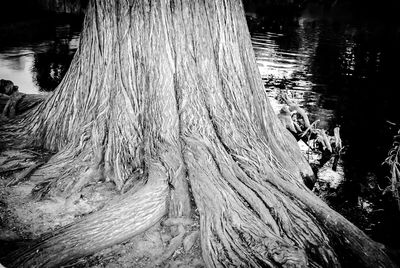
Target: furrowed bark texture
[(175, 83), (125, 217)]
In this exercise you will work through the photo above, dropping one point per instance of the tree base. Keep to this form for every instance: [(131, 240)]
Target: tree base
[(27, 219), (145, 250)]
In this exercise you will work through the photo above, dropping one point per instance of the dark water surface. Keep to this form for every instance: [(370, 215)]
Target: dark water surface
[(36, 53), (333, 66), (343, 71)]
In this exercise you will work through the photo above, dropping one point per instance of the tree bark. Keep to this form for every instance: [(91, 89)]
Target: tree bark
[(18, 103), (171, 90)]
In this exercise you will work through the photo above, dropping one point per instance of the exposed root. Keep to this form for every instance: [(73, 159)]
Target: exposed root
[(178, 221), (173, 245), (179, 228), (190, 240), (296, 108), (21, 164), (123, 218), (79, 164), (237, 227), (248, 220), (24, 175), (286, 119), (156, 90), (10, 110), (179, 205)]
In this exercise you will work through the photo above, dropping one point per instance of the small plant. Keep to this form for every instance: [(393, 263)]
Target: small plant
[(393, 161)]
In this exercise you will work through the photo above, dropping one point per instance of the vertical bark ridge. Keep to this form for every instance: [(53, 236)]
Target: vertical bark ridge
[(213, 99), (172, 87), (232, 234)]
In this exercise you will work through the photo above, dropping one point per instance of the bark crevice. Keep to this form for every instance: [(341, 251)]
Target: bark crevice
[(160, 102)]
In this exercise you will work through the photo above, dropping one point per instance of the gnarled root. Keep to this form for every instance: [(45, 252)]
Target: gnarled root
[(179, 204), (250, 219), (173, 245), (21, 163), (18, 103), (127, 216), (248, 227)]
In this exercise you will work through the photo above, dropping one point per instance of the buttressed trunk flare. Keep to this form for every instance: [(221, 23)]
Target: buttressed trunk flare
[(172, 88)]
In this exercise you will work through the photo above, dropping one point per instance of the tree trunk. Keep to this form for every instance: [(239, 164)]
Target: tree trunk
[(170, 90)]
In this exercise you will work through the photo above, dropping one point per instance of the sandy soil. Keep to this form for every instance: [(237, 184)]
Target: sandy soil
[(22, 219)]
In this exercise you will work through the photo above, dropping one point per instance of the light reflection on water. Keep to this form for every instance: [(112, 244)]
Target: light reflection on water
[(36, 62), (290, 68), (277, 62), (343, 73), (16, 66)]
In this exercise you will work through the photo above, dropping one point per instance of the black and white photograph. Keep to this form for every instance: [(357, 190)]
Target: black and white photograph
[(199, 133)]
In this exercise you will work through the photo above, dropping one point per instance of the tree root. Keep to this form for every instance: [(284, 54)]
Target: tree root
[(18, 103), (154, 87), (123, 218), (182, 237), (173, 245), (10, 110), (24, 161), (249, 221), (190, 240), (177, 222), (24, 175)]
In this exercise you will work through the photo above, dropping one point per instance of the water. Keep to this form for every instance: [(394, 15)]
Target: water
[(35, 54), (343, 71)]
